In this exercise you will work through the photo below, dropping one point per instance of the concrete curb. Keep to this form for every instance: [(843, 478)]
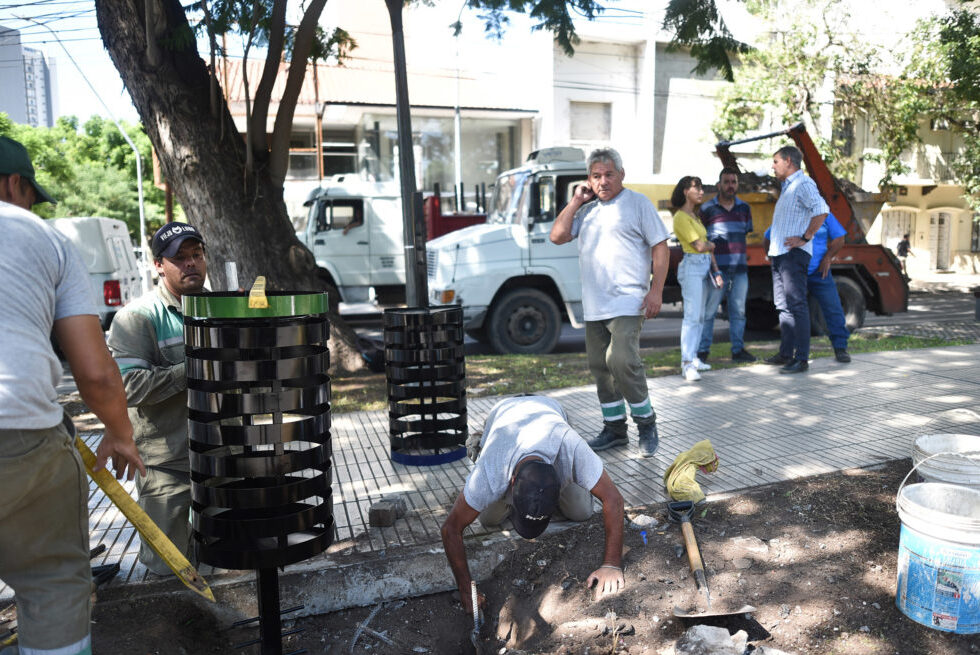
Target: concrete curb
[(329, 584)]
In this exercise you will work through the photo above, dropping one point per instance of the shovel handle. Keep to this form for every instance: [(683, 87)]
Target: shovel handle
[(693, 554)]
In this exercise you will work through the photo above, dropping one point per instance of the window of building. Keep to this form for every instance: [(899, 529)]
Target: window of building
[(489, 147), (589, 121), (339, 152)]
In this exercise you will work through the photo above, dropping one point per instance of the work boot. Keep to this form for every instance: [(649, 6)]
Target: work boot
[(796, 366), (841, 355), (649, 439), (743, 356), (613, 434)]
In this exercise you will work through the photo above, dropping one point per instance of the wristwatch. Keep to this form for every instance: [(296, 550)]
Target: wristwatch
[(805, 238)]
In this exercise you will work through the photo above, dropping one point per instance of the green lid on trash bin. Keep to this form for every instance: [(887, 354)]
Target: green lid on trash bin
[(233, 304)]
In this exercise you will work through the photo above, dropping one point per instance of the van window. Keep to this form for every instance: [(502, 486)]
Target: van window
[(566, 189), (336, 214), (546, 194), (506, 196), (347, 213), (318, 215)]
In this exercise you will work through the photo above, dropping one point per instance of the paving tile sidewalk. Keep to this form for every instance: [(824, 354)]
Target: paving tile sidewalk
[(765, 427)]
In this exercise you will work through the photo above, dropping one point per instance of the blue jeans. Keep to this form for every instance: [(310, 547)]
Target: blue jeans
[(824, 290), (734, 290), (789, 294), (693, 276)]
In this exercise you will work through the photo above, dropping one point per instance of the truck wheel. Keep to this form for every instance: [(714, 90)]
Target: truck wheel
[(524, 321), (852, 300), (761, 314)]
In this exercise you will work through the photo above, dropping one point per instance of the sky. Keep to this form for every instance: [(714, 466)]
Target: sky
[(74, 23)]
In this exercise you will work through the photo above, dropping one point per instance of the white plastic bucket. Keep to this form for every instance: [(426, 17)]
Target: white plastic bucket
[(939, 556), (952, 458)]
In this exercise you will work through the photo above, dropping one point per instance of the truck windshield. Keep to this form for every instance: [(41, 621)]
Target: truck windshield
[(504, 208)]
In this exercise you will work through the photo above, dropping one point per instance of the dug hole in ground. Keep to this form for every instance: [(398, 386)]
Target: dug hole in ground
[(816, 557)]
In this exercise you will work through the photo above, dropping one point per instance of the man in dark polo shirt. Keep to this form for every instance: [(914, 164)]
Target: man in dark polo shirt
[(727, 220)]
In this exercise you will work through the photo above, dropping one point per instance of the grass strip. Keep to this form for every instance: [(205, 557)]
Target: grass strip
[(500, 375)]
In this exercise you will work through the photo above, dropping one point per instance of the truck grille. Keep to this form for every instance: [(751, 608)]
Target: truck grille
[(432, 257)]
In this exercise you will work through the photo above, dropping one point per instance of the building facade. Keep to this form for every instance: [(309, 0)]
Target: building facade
[(515, 95), (929, 206), (27, 78)]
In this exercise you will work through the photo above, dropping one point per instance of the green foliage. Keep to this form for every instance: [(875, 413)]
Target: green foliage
[(932, 74), (552, 15), (790, 78), (253, 19), (698, 26), (943, 79), (90, 169)]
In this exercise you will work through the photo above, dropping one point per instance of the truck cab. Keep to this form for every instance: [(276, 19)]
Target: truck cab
[(516, 288), (354, 230)]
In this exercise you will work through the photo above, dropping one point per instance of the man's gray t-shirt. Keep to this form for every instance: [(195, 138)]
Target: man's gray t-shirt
[(45, 280), (520, 427), (614, 241)]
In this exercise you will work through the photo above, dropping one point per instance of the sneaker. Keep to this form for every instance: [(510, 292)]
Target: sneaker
[(778, 360), (613, 434), (796, 366), (690, 373), (649, 439), (701, 366), (841, 355), (743, 356), (703, 355)]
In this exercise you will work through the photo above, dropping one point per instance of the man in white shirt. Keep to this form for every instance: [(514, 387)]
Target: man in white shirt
[(799, 213), (619, 233), (531, 462)]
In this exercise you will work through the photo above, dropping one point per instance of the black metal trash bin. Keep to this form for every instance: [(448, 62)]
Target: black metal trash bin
[(426, 373), (259, 433)]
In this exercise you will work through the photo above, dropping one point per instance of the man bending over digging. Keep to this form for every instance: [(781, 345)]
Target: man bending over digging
[(531, 462)]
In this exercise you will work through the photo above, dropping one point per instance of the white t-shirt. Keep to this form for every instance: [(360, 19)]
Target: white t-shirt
[(520, 427), (45, 280), (614, 241)]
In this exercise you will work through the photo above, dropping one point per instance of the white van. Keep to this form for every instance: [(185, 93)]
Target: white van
[(107, 251)]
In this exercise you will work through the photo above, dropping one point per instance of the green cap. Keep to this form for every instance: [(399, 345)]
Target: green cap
[(14, 159)]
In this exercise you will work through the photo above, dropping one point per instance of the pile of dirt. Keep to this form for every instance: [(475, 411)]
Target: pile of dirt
[(816, 557)]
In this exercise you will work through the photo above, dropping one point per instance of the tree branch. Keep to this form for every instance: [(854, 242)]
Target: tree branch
[(305, 34), (263, 93)]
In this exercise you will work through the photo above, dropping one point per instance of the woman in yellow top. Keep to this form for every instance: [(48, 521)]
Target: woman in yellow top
[(693, 272)]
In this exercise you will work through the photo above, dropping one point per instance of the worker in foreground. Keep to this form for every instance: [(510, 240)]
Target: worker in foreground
[(529, 463), (44, 543)]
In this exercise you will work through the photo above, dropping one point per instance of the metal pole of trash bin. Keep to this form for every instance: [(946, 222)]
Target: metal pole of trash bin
[(259, 436)]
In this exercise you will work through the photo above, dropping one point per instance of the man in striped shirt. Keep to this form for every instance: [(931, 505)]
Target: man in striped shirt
[(727, 219), (799, 213), (147, 341)]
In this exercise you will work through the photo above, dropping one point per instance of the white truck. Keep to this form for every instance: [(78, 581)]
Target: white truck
[(354, 230), (107, 251), (516, 288)]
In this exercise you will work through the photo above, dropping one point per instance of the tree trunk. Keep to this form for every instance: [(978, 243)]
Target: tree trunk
[(242, 216)]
